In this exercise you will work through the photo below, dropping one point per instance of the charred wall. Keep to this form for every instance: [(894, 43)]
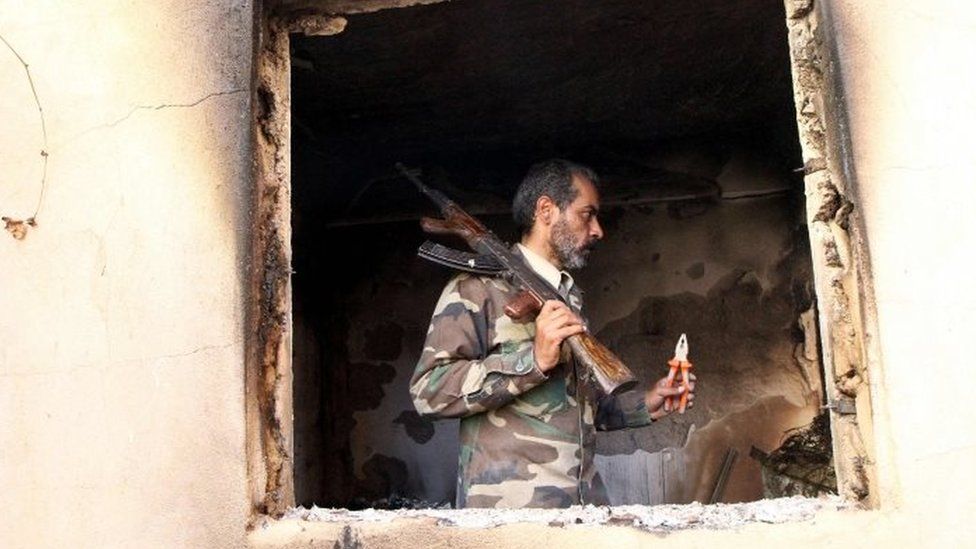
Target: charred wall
[(734, 274), (698, 149)]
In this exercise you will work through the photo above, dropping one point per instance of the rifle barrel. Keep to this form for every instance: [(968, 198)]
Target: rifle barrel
[(438, 197)]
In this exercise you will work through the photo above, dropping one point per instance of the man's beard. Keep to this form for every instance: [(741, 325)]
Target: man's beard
[(565, 249)]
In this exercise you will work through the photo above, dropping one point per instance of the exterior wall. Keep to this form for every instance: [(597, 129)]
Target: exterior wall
[(909, 115), (122, 339)]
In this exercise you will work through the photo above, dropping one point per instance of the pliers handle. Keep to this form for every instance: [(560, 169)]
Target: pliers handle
[(680, 360)]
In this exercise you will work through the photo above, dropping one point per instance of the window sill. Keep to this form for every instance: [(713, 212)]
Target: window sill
[(568, 527)]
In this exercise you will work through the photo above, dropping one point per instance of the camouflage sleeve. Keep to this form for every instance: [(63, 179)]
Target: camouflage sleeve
[(475, 358), (622, 411)]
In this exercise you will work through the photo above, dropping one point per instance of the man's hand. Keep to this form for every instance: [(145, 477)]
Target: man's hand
[(656, 396), (555, 323)]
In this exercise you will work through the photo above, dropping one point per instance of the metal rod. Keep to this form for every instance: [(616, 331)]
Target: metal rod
[(723, 475)]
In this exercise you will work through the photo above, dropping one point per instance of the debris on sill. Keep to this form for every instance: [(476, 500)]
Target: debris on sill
[(396, 502), (803, 465), (659, 518)]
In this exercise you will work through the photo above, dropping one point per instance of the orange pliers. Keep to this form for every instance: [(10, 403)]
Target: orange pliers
[(680, 360)]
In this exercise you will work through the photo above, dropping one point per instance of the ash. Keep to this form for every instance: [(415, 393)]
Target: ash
[(659, 518)]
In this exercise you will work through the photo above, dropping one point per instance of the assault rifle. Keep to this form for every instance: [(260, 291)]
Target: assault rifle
[(495, 258)]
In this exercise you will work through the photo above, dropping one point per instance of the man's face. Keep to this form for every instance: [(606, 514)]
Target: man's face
[(576, 229)]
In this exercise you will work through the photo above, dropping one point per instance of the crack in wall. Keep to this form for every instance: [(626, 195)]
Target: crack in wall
[(18, 227), (119, 363), (162, 106), (138, 108), (193, 352)]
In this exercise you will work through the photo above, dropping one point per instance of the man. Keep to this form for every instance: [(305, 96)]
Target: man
[(527, 422)]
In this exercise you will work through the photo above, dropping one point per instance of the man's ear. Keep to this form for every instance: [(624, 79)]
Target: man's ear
[(545, 210)]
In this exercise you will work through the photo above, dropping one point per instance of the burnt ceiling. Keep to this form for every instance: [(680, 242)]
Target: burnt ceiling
[(524, 79), (470, 73)]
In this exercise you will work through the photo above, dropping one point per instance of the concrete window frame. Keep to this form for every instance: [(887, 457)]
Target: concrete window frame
[(842, 275)]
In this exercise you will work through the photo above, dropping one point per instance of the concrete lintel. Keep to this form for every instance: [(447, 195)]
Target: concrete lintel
[(289, 8)]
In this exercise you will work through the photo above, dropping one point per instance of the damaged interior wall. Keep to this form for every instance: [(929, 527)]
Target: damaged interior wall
[(704, 216), (733, 274)]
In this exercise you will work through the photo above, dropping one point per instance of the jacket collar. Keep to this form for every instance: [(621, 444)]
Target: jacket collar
[(546, 270)]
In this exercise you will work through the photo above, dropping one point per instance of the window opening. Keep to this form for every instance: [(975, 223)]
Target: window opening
[(687, 114)]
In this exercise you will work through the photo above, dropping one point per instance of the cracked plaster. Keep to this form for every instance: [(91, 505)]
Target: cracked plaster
[(123, 333)]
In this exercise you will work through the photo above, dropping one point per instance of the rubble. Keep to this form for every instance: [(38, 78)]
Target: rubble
[(659, 518), (803, 464)]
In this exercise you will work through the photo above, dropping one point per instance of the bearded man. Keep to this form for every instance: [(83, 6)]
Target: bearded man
[(528, 422)]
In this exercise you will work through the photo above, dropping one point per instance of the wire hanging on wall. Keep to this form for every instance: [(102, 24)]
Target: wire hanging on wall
[(16, 226)]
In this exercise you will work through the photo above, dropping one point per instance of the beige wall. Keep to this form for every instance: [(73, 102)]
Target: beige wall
[(121, 338), (909, 89)]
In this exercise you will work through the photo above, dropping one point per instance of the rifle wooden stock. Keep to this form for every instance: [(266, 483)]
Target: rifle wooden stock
[(610, 373), (438, 226)]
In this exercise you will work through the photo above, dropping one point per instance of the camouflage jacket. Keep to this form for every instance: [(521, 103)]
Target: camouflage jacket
[(527, 438)]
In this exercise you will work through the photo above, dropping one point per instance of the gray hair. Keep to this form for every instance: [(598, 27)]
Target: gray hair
[(552, 178)]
